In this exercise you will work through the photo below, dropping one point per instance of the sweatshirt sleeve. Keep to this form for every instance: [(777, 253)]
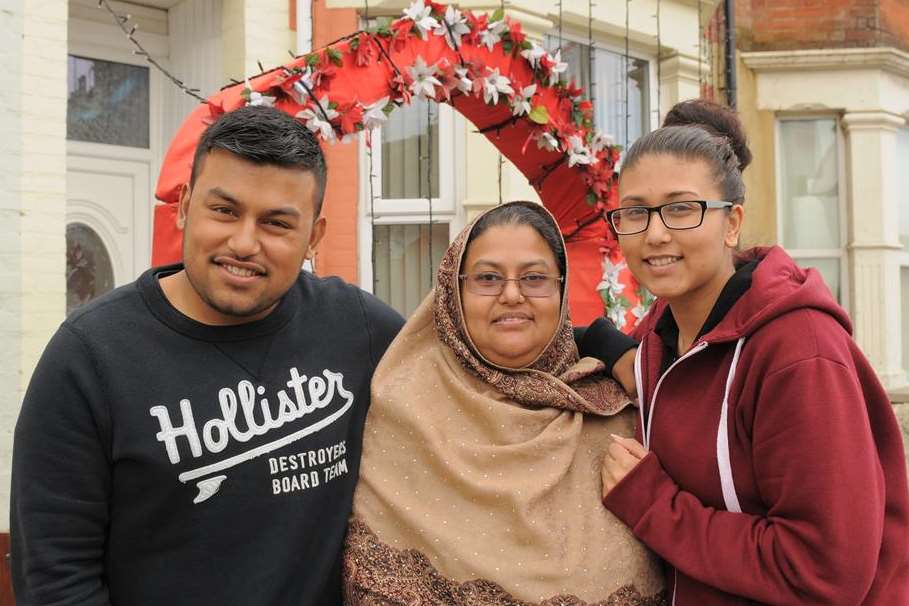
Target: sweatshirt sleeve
[(61, 481), (383, 323), (602, 340), (819, 475)]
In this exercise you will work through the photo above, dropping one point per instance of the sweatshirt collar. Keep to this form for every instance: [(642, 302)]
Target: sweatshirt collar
[(150, 289)]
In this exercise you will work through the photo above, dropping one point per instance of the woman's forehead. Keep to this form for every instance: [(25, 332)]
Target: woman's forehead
[(663, 177), (509, 245)]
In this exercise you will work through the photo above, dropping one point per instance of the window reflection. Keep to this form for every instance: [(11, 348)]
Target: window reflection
[(406, 153), (89, 273), (406, 256), (809, 184), (616, 79), (107, 102)]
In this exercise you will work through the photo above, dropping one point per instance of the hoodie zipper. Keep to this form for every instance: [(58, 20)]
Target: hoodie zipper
[(648, 422), (638, 378)]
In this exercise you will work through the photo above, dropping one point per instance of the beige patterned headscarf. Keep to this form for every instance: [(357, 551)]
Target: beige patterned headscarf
[(480, 485)]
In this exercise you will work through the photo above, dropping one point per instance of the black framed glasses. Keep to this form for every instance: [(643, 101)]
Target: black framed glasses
[(685, 214), (491, 284)]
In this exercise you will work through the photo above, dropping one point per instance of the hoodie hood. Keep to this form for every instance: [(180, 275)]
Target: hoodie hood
[(778, 286)]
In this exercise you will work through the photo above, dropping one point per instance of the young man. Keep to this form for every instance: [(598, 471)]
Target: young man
[(194, 437)]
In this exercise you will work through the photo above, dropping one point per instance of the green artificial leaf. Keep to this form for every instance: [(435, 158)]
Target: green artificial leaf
[(507, 46), (332, 105), (334, 55), (312, 59), (355, 44), (526, 45), (539, 115), (498, 15), (591, 198), (390, 107)]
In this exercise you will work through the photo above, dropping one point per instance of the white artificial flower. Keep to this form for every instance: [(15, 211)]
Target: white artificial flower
[(578, 153), (465, 84), (492, 35), (610, 281), (520, 104), (558, 69), (616, 313), (547, 141), (257, 98), (422, 18), (457, 26), (600, 141), (316, 121), (374, 115), (534, 54), (306, 79), (639, 311), (494, 84), (424, 79)]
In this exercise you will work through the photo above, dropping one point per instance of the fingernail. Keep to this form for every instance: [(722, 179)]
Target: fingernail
[(615, 437)]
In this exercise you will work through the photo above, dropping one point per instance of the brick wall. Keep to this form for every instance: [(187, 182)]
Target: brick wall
[(766, 25), (895, 23), (337, 255)]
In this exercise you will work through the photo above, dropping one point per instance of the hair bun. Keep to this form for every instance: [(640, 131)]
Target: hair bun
[(715, 118)]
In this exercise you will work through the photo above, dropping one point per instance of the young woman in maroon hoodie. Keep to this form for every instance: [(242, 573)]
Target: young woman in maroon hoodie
[(770, 466)]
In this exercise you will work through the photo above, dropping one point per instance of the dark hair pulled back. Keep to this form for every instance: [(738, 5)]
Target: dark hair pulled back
[(701, 130), (522, 213)]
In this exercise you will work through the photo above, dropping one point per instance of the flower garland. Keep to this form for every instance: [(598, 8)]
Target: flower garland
[(580, 144), (485, 66)]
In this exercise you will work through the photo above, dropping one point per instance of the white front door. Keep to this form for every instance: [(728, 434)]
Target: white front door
[(114, 146), (112, 197)]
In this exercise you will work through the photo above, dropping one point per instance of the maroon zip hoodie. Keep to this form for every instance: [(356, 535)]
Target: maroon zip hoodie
[(776, 471)]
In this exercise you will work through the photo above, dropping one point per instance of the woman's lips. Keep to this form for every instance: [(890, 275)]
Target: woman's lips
[(512, 319)]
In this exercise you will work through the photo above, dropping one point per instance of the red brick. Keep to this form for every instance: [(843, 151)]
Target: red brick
[(338, 254)]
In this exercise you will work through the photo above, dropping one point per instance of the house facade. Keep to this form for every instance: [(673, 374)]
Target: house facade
[(823, 90)]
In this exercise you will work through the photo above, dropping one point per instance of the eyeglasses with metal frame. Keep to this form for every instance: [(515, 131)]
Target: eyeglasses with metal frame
[(492, 284), (684, 214)]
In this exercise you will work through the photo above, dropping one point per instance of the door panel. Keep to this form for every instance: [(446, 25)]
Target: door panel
[(113, 197)]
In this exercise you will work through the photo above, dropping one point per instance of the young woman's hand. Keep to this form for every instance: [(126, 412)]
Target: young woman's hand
[(622, 456)]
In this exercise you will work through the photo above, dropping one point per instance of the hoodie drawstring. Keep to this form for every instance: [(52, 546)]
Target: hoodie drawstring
[(722, 440)]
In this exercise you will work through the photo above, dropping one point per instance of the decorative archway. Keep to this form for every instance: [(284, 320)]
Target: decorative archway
[(509, 87)]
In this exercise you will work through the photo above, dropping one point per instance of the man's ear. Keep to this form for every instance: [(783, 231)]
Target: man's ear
[(315, 236), (183, 207)]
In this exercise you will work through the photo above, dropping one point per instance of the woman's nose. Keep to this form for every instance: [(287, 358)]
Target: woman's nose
[(511, 293), (657, 232)]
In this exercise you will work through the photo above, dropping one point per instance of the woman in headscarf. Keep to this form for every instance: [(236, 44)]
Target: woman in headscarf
[(479, 480)]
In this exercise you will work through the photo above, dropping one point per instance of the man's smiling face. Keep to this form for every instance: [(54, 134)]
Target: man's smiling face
[(247, 229)]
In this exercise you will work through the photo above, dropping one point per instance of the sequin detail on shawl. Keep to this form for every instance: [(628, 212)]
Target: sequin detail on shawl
[(392, 577)]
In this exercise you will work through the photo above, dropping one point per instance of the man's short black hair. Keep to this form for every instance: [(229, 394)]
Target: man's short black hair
[(265, 135)]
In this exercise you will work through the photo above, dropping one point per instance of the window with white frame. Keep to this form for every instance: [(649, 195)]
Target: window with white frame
[(902, 186), (409, 211), (621, 87), (809, 189)]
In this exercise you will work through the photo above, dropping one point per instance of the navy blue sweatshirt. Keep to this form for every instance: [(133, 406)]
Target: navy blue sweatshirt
[(158, 460)]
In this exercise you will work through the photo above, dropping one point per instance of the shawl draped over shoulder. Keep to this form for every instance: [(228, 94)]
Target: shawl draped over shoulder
[(480, 485)]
